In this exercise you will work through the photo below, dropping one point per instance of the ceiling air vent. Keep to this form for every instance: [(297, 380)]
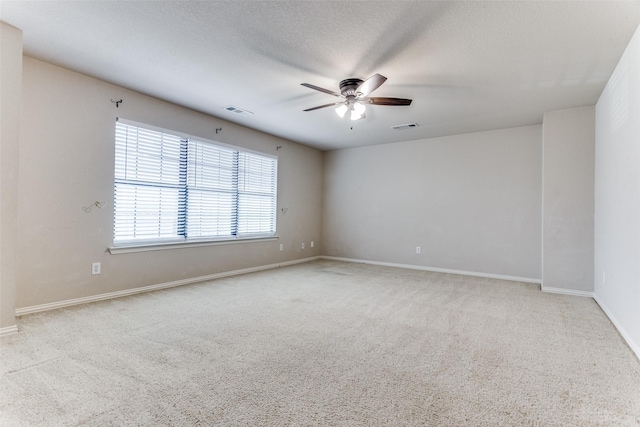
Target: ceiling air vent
[(403, 127), (238, 111)]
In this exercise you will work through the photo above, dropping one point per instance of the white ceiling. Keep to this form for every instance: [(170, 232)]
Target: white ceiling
[(468, 65)]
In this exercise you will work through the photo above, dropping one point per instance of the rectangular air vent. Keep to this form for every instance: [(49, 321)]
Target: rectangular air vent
[(406, 126), (238, 111)]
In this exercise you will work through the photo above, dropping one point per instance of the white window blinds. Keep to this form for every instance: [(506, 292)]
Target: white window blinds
[(147, 189), (172, 188), (212, 181), (256, 193)]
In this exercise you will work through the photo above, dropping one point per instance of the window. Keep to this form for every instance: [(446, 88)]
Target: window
[(169, 188)]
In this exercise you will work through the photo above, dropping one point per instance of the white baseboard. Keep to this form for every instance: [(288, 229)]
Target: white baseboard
[(8, 330), (635, 347), (436, 270), (564, 291), (117, 294)]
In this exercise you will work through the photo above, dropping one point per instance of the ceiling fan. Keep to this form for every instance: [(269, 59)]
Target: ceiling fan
[(354, 96)]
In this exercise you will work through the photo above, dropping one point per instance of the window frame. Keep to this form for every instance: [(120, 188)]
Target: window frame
[(181, 238)]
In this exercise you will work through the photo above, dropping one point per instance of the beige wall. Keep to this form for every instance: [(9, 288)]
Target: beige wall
[(472, 203), (568, 199), (10, 83), (66, 163), (617, 196)]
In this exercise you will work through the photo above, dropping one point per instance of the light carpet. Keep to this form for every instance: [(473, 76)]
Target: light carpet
[(323, 344)]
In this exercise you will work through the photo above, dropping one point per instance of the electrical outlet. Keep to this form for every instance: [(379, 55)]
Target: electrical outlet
[(418, 250), (311, 244), (95, 268), (302, 245), (281, 246)]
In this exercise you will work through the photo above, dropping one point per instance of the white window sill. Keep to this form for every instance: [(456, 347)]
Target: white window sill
[(146, 247)]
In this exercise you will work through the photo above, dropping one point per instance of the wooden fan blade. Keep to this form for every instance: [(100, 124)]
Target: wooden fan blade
[(389, 101), (310, 86), (322, 106), (371, 84)]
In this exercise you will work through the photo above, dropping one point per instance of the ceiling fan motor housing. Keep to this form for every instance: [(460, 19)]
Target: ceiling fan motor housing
[(350, 86)]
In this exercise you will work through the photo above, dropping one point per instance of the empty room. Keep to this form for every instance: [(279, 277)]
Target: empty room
[(319, 213)]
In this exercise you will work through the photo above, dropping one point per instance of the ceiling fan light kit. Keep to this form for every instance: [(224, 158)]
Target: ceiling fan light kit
[(354, 96), (357, 110)]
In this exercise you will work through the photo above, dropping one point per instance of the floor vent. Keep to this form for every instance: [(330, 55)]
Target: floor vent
[(238, 111), (406, 126)]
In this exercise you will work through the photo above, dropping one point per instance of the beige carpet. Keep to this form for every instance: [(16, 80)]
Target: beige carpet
[(323, 344)]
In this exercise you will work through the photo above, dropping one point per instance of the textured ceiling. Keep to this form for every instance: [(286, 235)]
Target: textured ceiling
[(468, 66)]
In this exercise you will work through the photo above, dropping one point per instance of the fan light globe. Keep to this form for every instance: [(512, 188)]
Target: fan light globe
[(358, 111), (341, 109)]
